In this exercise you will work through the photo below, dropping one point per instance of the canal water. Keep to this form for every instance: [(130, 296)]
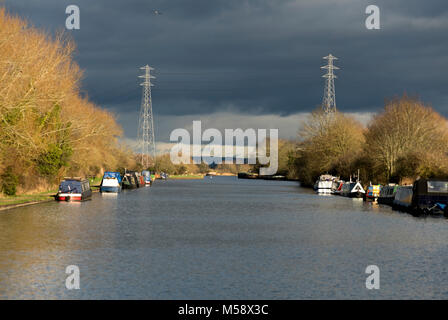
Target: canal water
[(220, 238)]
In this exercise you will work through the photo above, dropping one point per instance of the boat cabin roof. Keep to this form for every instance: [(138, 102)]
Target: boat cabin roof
[(431, 186), (74, 185), (112, 175), (80, 180)]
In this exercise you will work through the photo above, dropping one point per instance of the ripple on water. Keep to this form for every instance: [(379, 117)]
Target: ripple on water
[(220, 238)]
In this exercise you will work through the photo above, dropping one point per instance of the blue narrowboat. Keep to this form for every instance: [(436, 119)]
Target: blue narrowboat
[(74, 189), (111, 182)]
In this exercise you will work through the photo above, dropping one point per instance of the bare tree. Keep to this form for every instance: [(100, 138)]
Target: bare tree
[(406, 126), (327, 143)]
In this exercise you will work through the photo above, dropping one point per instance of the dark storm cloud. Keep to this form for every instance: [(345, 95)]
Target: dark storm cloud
[(253, 56)]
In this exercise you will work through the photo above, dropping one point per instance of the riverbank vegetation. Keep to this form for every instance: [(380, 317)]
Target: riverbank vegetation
[(48, 129), (406, 140)]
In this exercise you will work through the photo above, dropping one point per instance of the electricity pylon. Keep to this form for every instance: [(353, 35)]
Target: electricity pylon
[(146, 138), (329, 100)]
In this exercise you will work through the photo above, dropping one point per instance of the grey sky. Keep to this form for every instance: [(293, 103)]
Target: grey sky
[(251, 58)]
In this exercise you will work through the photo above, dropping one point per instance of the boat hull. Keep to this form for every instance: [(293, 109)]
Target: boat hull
[(370, 199), (130, 181), (386, 200), (69, 197), (324, 191), (110, 189), (355, 195), (403, 199), (129, 186)]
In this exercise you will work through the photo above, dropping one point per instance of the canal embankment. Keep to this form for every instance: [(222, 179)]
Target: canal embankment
[(7, 203), (27, 199)]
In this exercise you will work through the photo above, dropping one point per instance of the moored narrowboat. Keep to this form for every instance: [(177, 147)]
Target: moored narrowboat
[(403, 199), (138, 178), (387, 194), (337, 187), (129, 181), (140, 182), (352, 190), (111, 182), (74, 189), (373, 192), (430, 196), (324, 184), (141, 179), (147, 176), (241, 175)]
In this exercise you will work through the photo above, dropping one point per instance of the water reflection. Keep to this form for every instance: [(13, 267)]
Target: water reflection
[(220, 238), (109, 195)]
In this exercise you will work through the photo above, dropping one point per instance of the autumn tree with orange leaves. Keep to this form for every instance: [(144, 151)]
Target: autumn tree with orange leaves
[(47, 129)]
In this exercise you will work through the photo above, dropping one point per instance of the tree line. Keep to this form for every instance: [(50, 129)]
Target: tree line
[(48, 129), (406, 140)]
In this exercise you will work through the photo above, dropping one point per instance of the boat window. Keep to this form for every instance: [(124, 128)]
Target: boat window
[(438, 186), (70, 186), (111, 175)]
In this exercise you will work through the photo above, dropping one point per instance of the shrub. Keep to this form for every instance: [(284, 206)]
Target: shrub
[(181, 169), (9, 182), (53, 159)]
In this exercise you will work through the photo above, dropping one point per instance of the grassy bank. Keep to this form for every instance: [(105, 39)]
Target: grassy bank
[(23, 199), (7, 202), (95, 183)]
